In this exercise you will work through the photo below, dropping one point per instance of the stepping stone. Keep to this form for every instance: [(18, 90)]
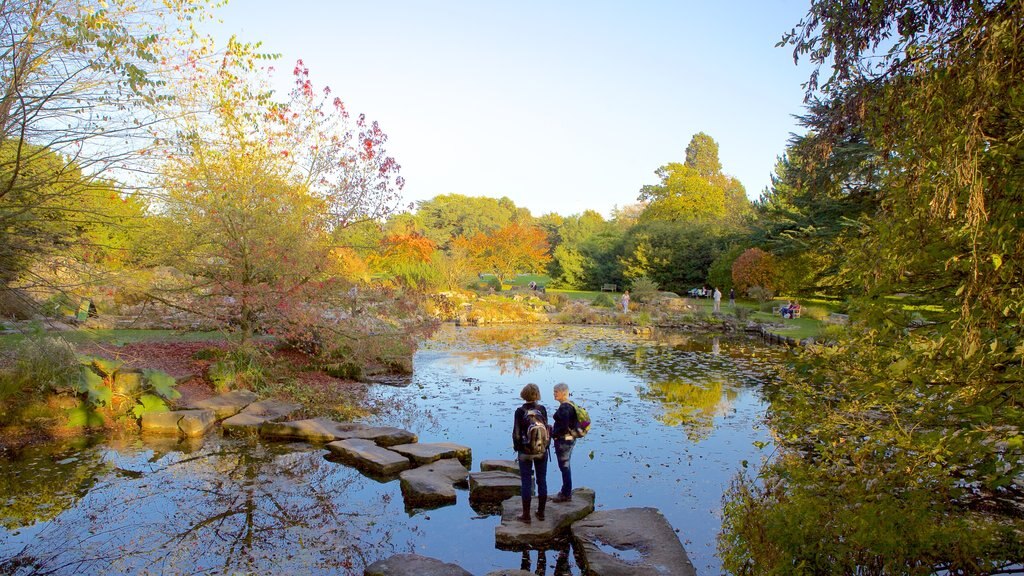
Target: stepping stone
[(630, 542), (493, 486), (516, 535), (311, 430), (382, 435), (433, 485), (503, 465), (413, 565), (226, 405), (366, 455), (425, 453), (250, 418), (189, 423)]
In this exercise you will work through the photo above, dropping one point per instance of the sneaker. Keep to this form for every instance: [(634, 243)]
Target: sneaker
[(562, 498)]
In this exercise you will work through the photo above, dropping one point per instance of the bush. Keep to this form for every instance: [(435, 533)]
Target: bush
[(44, 364), (494, 284), (741, 313), (814, 312), (242, 367), (644, 289), (603, 300), (760, 294)]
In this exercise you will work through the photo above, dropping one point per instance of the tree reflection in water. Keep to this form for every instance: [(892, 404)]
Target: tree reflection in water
[(229, 506)]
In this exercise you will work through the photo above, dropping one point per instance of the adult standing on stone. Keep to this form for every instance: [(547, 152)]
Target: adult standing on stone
[(528, 459), (564, 422), (718, 300)]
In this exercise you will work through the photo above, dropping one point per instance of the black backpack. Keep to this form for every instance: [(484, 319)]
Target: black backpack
[(537, 435)]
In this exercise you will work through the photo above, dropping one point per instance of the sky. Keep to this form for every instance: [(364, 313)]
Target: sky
[(562, 106)]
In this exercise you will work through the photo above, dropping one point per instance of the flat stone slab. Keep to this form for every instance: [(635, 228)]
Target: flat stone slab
[(425, 453), (493, 486), (630, 542), (256, 413), (226, 405), (413, 565), (502, 465), (382, 435), (366, 455), (433, 484), (188, 423), (512, 533), (311, 430)]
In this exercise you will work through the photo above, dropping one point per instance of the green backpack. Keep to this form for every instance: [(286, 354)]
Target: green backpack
[(582, 422)]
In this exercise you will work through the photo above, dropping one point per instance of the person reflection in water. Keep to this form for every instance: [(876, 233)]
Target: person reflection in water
[(562, 567)]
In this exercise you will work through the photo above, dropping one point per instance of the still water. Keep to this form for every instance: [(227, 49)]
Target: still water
[(674, 418)]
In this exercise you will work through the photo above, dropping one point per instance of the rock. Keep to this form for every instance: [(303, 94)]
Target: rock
[(493, 486), (425, 453), (382, 435), (226, 405), (630, 542), (366, 455), (311, 430), (433, 485), (190, 423), (250, 418), (512, 533), (413, 565), (503, 465)]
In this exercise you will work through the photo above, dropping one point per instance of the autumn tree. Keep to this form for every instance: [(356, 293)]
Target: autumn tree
[(754, 267), (509, 250), (254, 192)]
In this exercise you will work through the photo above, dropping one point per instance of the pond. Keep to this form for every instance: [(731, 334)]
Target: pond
[(675, 417)]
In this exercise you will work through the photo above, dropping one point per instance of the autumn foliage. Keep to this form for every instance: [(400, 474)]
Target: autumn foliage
[(508, 250), (754, 267)]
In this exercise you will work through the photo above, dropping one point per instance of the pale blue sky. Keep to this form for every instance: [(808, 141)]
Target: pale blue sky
[(561, 106)]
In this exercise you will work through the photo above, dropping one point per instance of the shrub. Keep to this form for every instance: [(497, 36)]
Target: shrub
[(242, 367), (741, 313), (760, 294), (603, 300), (644, 289), (754, 267), (494, 284), (44, 363), (814, 312)]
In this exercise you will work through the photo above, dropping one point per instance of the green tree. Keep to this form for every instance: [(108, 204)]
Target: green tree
[(448, 216)]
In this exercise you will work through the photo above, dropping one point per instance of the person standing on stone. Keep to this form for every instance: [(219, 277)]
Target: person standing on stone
[(718, 300), (525, 435), (564, 422)]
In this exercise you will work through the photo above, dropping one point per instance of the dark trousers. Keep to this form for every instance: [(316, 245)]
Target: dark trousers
[(526, 468), (563, 452)]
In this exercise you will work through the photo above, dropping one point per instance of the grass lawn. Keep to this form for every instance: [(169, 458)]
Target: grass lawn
[(86, 335)]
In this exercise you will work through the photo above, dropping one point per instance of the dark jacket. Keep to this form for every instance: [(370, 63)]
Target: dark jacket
[(519, 423), (565, 420)]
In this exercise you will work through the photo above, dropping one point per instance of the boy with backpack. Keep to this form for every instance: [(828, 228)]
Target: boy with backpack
[(571, 422), (530, 438)]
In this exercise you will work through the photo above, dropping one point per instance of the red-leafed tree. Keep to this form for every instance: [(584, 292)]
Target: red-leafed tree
[(509, 250), (754, 267)]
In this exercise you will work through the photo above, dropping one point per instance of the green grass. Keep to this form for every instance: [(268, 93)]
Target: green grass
[(587, 295), (112, 336)]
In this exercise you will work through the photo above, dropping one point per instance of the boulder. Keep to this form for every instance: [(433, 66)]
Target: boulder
[(311, 430), (503, 465), (366, 455), (382, 435), (433, 484), (256, 413), (513, 534), (226, 405), (493, 486), (189, 423), (425, 453), (630, 542), (413, 565)]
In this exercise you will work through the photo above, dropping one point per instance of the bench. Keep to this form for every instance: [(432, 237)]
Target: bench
[(609, 287)]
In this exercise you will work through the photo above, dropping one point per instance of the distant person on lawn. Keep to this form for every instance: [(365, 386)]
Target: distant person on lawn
[(625, 301)]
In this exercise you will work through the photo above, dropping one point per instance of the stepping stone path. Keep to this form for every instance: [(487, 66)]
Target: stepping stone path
[(189, 423), (366, 455), (493, 486), (425, 453), (503, 465), (256, 413), (433, 485), (311, 430), (630, 542), (512, 533), (227, 405), (382, 435), (413, 565)]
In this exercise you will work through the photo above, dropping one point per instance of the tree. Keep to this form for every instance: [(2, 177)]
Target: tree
[(255, 191), (509, 250), (448, 216), (754, 267), (80, 84)]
